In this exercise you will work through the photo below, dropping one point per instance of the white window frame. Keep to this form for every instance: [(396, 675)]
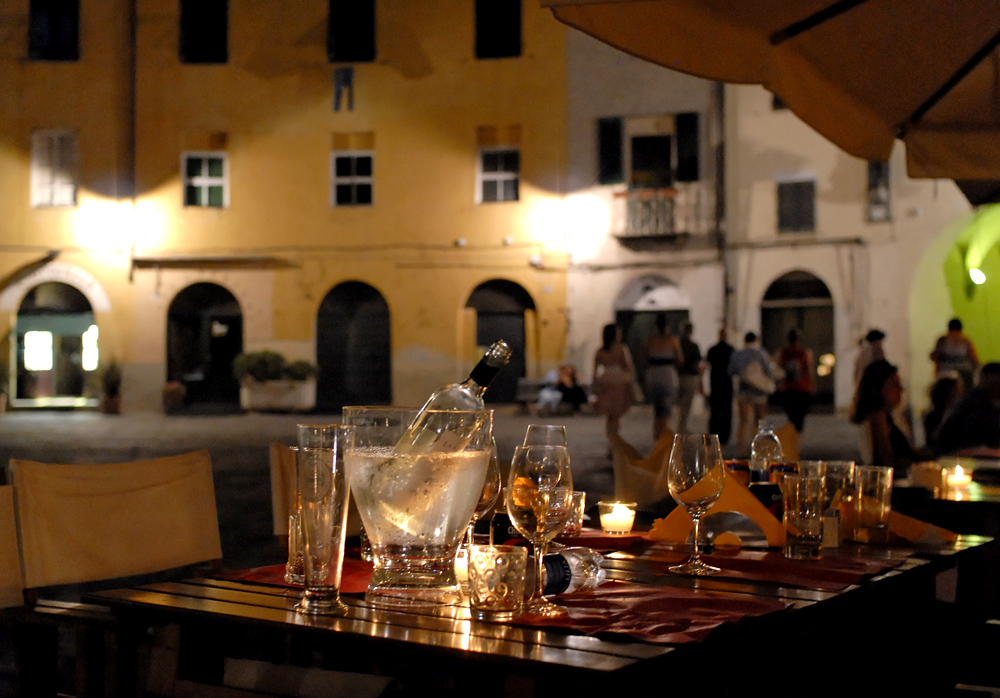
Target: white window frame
[(499, 177), (204, 181), (352, 180), (54, 174)]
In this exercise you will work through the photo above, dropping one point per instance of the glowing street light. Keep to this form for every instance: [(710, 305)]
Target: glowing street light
[(977, 276)]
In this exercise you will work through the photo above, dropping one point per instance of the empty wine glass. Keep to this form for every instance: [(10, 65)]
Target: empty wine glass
[(545, 435), (488, 497), (539, 492), (695, 476)]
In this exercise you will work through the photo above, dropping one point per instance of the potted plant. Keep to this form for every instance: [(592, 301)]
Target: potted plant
[(111, 386), (269, 383)]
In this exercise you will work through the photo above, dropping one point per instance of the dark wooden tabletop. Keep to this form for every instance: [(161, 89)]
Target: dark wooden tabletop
[(390, 642)]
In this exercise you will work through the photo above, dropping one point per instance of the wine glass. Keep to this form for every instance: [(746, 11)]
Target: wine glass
[(545, 435), (695, 475), (538, 497), (488, 497)]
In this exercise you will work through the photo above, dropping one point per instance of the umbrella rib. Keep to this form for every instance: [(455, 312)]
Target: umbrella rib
[(959, 75), (813, 20)]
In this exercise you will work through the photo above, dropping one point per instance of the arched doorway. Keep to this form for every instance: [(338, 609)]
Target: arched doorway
[(56, 347), (802, 300), (636, 308), (204, 335), (500, 307), (353, 348)]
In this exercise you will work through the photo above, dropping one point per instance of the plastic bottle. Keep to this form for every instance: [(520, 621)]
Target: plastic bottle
[(569, 570), (432, 432), (764, 450)]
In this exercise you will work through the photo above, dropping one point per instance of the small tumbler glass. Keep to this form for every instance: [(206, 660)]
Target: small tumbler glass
[(496, 581)]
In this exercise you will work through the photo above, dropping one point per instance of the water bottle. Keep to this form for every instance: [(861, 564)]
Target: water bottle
[(569, 570), (764, 450)]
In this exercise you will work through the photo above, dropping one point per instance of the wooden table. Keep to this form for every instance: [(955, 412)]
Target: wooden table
[(893, 616)]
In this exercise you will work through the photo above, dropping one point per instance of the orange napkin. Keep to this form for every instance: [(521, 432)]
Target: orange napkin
[(736, 496)]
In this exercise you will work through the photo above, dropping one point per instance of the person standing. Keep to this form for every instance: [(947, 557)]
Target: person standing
[(797, 385), (662, 353), (752, 366), (871, 350), (720, 386), (955, 352), (689, 376), (613, 376)]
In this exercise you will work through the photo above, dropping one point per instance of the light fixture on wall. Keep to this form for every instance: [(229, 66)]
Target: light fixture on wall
[(977, 276)]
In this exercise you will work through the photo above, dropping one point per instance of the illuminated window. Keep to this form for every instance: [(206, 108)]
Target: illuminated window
[(206, 181), (353, 177), (499, 174), (89, 359), (53, 168), (38, 351)]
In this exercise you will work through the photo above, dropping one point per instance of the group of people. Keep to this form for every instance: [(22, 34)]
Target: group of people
[(673, 366), (964, 416)]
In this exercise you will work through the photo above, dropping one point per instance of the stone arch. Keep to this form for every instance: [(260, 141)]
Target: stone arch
[(353, 348), (500, 307)]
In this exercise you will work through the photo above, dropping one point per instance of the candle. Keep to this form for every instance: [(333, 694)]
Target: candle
[(617, 518), (959, 479)]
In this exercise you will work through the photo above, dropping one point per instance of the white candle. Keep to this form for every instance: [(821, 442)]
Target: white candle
[(618, 520), (959, 479)]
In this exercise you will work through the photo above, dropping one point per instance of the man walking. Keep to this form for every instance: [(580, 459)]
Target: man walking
[(689, 374), (720, 385)]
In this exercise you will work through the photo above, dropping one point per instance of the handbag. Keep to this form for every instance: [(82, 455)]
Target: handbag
[(754, 376)]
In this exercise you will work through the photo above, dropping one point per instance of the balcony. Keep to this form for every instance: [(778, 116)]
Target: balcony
[(676, 215)]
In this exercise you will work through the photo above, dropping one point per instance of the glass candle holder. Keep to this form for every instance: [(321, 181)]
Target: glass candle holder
[(617, 517)]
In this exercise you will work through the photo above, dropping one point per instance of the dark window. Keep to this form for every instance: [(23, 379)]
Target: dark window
[(54, 30), (777, 103), (651, 162), (500, 175), (879, 201), (796, 206), (350, 32), (686, 126), (204, 31), (352, 179), (609, 151), (498, 28)]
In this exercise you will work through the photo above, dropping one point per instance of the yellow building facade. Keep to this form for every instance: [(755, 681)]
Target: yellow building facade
[(383, 217)]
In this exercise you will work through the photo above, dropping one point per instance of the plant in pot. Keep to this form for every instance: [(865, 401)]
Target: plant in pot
[(111, 386), (269, 382)]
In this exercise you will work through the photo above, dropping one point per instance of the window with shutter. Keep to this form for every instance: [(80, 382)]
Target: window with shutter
[(53, 168)]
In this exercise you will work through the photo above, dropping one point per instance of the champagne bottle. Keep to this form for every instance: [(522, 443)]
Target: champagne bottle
[(432, 430)]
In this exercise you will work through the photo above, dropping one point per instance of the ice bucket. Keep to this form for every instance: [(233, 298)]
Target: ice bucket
[(415, 507)]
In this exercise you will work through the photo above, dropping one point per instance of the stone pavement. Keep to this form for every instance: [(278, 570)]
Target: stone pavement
[(239, 448)]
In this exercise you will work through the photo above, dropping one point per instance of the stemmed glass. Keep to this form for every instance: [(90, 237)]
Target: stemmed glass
[(545, 435), (488, 497), (695, 476), (538, 497)]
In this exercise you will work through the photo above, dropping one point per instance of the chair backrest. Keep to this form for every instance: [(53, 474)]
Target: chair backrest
[(789, 439), (11, 583), (82, 523), (283, 486)]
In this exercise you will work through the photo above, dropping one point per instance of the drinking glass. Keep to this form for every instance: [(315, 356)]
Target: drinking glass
[(323, 497), (545, 435), (539, 493), (695, 477), (489, 495)]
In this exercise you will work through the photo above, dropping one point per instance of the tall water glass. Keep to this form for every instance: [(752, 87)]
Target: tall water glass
[(545, 435), (323, 498)]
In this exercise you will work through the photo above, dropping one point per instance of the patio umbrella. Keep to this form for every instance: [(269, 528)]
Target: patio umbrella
[(861, 72)]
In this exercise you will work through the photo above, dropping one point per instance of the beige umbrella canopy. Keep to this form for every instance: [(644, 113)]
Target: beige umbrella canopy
[(861, 72)]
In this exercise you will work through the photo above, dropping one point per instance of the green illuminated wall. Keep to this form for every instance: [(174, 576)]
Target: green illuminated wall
[(978, 307)]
